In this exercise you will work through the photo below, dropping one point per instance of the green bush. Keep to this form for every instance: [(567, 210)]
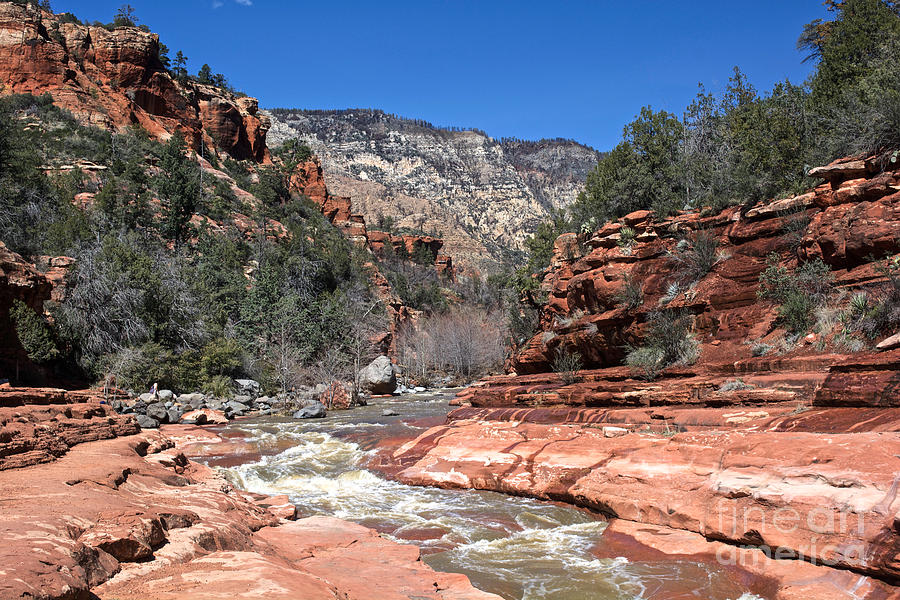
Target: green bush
[(221, 356), (798, 292), (631, 294), (567, 363), (34, 333), (626, 237), (796, 312), (219, 386), (761, 349), (696, 256), (669, 341), (878, 314)]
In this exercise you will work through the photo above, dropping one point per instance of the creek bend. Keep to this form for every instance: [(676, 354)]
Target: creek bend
[(518, 548)]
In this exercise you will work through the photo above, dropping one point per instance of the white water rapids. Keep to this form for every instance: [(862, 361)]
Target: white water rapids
[(518, 548)]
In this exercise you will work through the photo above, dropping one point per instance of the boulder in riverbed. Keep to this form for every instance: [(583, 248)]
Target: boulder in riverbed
[(146, 422), (379, 377), (234, 408), (337, 396), (204, 416), (174, 414), (248, 387), (158, 411), (316, 410)]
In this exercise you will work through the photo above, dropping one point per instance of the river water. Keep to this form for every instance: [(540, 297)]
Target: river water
[(518, 548)]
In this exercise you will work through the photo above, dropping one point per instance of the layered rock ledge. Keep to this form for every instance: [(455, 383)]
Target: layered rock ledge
[(112, 513), (801, 513)]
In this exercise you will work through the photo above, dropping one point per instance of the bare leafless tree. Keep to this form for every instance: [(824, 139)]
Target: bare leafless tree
[(465, 342)]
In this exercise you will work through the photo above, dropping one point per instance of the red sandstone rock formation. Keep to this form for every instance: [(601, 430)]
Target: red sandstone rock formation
[(847, 220), (131, 517), (708, 459), (755, 483), (308, 180), (114, 79), (38, 425)]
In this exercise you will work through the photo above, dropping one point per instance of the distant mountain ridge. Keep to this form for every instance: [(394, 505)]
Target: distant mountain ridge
[(483, 196)]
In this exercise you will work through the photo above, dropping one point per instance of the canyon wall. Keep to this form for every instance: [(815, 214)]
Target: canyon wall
[(114, 79), (482, 196), (847, 222)]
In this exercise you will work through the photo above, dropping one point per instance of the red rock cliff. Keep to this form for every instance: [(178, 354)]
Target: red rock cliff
[(114, 79)]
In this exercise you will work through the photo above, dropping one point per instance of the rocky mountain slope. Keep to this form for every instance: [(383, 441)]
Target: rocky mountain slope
[(481, 195), (115, 79)]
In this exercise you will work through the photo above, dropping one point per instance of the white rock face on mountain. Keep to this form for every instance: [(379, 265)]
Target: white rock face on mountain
[(483, 196)]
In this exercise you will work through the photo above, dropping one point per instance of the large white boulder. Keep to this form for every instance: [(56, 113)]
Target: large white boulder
[(379, 377)]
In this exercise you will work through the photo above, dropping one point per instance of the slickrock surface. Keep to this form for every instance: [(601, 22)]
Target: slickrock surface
[(38, 425), (761, 575), (786, 461), (816, 502), (131, 517)]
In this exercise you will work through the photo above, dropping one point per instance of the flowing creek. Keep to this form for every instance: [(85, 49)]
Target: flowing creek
[(517, 548)]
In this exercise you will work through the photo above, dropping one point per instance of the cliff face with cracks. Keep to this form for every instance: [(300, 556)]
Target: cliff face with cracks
[(114, 79), (784, 465)]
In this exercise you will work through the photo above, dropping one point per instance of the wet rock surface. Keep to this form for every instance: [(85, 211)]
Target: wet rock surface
[(781, 495), (131, 517)]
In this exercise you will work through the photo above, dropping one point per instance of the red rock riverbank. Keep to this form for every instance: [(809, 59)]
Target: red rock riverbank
[(799, 512), (90, 507)]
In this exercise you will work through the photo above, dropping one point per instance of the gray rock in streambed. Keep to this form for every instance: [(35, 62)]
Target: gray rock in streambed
[(174, 414), (146, 422), (158, 412), (248, 387), (316, 410), (379, 377), (388, 412), (236, 408)]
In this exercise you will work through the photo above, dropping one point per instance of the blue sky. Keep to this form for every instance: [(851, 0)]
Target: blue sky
[(577, 69)]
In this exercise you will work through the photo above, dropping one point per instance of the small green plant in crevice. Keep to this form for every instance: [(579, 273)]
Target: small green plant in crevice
[(794, 228), (672, 291), (631, 294), (798, 292), (567, 363), (670, 431), (669, 341), (761, 349), (696, 256), (34, 333), (626, 239), (875, 313)]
